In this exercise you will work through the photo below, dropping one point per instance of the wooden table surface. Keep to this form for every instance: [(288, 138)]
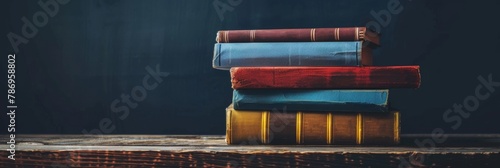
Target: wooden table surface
[(478, 150)]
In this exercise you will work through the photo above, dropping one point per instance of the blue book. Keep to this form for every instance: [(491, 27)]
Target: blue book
[(312, 100), (227, 55)]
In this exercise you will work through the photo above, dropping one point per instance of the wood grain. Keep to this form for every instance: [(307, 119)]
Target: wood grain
[(211, 151)]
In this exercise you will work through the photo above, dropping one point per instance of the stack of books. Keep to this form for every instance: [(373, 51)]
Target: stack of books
[(309, 86)]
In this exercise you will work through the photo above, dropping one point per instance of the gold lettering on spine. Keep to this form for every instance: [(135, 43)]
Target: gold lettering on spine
[(329, 128), (298, 129), (359, 129), (265, 127), (396, 127)]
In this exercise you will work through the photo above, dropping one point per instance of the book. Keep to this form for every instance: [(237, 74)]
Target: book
[(279, 54), (298, 35), (325, 77), (311, 100), (281, 127)]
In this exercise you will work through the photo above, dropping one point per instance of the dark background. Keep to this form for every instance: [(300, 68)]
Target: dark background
[(93, 51)]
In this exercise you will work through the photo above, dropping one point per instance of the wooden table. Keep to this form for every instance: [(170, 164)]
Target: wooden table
[(212, 151)]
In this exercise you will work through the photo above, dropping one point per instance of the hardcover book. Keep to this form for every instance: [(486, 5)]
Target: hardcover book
[(325, 77), (311, 128), (311, 100), (280, 54), (298, 35)]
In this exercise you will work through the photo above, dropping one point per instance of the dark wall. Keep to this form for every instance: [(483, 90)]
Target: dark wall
[(91, 53)]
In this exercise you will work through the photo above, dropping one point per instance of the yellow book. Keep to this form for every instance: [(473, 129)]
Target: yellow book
[(311, 128)]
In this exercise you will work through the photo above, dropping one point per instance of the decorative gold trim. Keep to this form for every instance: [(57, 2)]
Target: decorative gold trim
[(357, 33), (329, 126), (226, 36), (252, 35), (396, 127), (359, 129), (313, 34), (298, 129), (217, 39), (265, 127), (222, 37), (229, 131), (335, 34)]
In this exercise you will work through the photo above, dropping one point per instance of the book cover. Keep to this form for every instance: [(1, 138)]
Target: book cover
[(325, 77), (281, 127), (297, 35), (282, 54), (311, 100)]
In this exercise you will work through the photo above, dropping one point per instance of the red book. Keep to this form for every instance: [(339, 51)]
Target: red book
[(298, 35), (368, 77)]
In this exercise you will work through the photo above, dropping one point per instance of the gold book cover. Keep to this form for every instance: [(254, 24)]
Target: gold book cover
[(311, 128)]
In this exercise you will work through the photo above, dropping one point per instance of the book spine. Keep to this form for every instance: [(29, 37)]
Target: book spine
[(298, 35), (311, 100), (325, 77), (311, 128), (227, 55)]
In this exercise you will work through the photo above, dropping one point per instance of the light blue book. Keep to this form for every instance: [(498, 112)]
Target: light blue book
[(312, 100), (227, 55)]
